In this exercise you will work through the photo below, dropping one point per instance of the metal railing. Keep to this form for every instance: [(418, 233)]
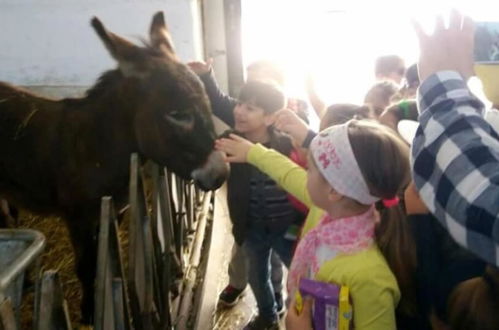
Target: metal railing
[(19, 248), (168, 220), (168, 217)]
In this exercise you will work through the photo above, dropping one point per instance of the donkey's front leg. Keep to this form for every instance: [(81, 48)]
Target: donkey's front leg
[(84, 231)]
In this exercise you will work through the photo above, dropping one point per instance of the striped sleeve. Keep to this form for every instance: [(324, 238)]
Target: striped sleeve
[(455, 159)]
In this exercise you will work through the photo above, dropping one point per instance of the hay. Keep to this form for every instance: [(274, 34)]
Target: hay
[(58, 255)]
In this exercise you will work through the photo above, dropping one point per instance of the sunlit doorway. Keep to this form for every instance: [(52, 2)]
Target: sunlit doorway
[(336, 42)]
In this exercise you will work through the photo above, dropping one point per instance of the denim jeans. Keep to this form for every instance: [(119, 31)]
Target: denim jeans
[(258, 245), (238, 269)]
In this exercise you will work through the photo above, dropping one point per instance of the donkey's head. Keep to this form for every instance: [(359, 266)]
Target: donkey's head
[(172, 119)]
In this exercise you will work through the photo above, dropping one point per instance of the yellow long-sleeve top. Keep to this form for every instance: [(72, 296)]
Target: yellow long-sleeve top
[(373, 287)]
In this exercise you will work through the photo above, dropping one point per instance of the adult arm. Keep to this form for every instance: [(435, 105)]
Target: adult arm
[(456, 153), (455, 158)]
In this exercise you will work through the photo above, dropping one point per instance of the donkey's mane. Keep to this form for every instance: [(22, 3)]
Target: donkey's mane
[(110, 78), (104, 83)]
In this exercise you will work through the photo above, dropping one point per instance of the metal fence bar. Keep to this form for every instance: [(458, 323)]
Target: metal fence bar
[(194, 263), (109, 269), (53, 312), (141, 252), (18, 249), (14, 269), (164, 239)]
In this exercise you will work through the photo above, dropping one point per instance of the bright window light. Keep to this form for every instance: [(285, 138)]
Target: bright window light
[(336, 42)]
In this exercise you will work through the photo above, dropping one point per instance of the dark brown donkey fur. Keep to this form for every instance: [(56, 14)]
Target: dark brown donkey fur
[(60, 157)]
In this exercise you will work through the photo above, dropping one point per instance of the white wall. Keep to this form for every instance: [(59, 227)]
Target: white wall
[(214, 39), (50, 45)]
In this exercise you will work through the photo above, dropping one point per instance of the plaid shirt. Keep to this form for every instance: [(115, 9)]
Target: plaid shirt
[(455, 157)]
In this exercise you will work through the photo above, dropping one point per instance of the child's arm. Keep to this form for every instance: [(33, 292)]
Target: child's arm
[(222, 105), (290, 176)]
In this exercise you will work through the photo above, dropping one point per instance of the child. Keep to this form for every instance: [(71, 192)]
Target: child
[(411, 83), (343, 112), (223, 107), (379, 96), (405, 109), (389, 67), (352, 167), (475, 302), (260, 211)]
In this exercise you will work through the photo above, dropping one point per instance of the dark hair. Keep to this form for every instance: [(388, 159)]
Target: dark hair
[(272, 70), (474, 304), (379, 96), (411, 76), (383, 159), (340, 113), (387, 64), (264, 95), (405, 109)]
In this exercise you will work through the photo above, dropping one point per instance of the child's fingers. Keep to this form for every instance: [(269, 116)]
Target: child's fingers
[(233, 159), (236, 137), (223, 145), (307, 305)]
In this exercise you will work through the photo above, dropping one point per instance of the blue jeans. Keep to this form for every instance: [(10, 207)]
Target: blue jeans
[(258, 245)]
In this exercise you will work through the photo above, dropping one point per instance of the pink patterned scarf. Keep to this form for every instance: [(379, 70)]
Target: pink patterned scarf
[(329, 238)]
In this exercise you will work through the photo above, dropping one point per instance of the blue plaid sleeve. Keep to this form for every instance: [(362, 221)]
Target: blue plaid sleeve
[(455, 159)]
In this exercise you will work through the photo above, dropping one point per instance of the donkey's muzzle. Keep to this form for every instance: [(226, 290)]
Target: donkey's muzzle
[(213, 173)]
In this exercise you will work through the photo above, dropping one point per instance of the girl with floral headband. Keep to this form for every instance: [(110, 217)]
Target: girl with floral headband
[(355, 234)]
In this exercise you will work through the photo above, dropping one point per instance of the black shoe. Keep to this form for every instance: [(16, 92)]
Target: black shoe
[(230, 296), (280, 304), (261, 323)]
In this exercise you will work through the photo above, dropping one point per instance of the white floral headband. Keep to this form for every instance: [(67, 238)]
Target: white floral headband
[(333, 155)]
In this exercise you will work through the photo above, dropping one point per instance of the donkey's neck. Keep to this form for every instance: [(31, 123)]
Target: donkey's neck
[(111, 106)]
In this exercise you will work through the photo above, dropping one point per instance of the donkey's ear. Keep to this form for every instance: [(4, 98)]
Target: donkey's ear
[(160, 37), (127, 54)]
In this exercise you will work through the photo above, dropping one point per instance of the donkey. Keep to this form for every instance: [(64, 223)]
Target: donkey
[(60, 157)]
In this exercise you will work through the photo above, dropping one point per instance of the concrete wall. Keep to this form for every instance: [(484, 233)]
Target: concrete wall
[(49, 45), (214, 39)]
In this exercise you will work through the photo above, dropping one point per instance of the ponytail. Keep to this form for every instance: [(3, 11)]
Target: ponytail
[(383, 159), (395, 242), (474, 304)]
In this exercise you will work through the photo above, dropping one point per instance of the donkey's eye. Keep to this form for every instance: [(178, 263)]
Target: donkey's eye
[(183, 119), (180, 115)]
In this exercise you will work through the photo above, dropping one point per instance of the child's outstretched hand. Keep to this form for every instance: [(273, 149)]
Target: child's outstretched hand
[(289, 122), (235, 147), (302, 321)]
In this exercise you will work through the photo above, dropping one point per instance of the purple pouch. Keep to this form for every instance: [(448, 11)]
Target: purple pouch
[(326, 303)]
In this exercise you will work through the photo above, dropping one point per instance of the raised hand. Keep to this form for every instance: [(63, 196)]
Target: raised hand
[(288, 121), (447, 48), (200, 68)]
